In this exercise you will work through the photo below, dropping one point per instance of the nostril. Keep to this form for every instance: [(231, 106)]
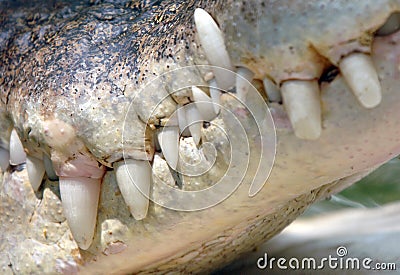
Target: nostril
[(391, 25)]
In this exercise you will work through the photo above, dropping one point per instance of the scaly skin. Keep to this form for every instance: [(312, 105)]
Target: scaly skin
[(83, 66)]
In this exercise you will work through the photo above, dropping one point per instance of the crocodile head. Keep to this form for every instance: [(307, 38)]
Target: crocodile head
[(100, 91)]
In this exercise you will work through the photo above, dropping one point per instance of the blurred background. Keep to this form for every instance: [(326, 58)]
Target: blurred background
[(364, 219)]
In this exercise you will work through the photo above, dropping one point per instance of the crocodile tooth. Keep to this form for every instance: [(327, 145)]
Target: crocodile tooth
[(194, 120), (359, 72), (242, 82), (17, 152), (182, 122), (4, 159), (134, 180), (168, 138), (212, 41), (36, 171), (273, 93), (48, 166), (215, 94), (302, 103), (204, 104), (80, 197)]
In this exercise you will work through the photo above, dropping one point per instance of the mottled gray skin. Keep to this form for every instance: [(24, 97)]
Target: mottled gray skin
[(83, 64)]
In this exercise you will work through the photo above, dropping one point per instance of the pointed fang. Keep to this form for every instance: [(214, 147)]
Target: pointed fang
[(36, 171), (134, 180), (17, 152), (212, 41), (80, 197)]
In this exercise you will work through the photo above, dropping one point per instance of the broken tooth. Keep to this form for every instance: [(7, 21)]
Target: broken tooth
[(168, 138), (36, 171), (4, 159), (134, 180), (273, 93), (359, 72), (243, 82), (80, 197), (204, 104), (302, 103), (194, 120), (17, 152), (212, 42), (215, 94), (48, 166)]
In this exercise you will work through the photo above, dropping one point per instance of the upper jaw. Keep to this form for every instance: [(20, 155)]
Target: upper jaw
[(276, 51)]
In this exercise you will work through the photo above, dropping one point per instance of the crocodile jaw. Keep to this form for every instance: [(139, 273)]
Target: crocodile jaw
[(354, 141)]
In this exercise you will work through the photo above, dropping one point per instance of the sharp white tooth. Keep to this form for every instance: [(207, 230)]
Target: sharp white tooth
[(273, 93), (391, 26), (242, 82), (80, 198), (133, 178), (36, 171), (17, 152), (4, 159), (212, 41), (360, 74), (302, 103), (168, 139), (48, 166), (215, 94), (194, 121), (204, 104)]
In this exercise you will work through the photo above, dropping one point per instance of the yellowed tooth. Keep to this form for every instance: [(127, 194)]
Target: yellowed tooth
[(359, 72), (212, 41), (302, 102)]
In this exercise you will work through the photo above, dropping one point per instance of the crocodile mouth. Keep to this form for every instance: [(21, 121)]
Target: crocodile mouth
[(328, 108)]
